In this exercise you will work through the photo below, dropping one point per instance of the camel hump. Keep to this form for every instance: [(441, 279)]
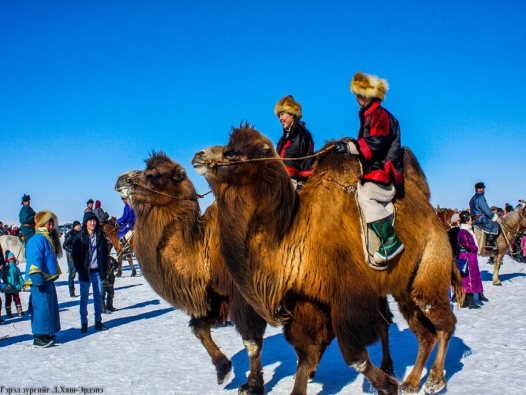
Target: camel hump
[(413, 174)]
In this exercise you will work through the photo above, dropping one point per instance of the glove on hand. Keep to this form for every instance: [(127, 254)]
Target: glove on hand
[(340, 147)]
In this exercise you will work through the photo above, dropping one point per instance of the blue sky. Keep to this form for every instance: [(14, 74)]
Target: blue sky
[(89, 88)]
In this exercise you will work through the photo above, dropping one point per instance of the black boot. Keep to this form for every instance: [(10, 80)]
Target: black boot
[(99, 326), (469, 302), (390, 245), (491, 242), (8, 312), (482, 298), (84, 328)]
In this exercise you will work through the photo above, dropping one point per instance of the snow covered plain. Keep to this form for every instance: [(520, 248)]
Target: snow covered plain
[(149, 348)]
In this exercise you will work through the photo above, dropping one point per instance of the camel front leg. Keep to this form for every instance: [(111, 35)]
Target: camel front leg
[(309, 330), (360, 361), (202, 330)]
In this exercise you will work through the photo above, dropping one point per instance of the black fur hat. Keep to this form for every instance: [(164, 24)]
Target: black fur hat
[(26, 198)]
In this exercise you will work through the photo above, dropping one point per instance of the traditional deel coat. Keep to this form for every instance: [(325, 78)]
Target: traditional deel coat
[(27, 222), (482, 215), (42, 269), (297, 143), (379, 145), (468, 249), (127, 221)]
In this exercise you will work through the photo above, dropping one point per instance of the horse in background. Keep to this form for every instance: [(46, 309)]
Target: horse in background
[(15, 245), (444, 215), (111, 229), (511, 224)]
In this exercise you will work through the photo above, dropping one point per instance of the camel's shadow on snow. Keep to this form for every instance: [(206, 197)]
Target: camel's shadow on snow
[(333, 374)]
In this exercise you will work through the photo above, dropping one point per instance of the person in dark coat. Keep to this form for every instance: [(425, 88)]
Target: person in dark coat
[(68, 246), (467, 249), (27, 218), (296, 141), (378, 146), (90, 256), (42, 269), (484, 217), (102, 215)]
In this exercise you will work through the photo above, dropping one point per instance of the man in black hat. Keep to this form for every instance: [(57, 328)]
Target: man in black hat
[(484, 217), (68, 246), (27, 218), (89, 209)]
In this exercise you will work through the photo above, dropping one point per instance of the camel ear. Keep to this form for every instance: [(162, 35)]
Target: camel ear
[(179, 174), (262, 151)]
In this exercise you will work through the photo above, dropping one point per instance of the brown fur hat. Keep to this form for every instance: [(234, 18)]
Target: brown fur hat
[(41, 218), (288, 104), (369, 86)]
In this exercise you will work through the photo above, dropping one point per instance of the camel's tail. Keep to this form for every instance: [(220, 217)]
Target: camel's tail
[(456, 283)]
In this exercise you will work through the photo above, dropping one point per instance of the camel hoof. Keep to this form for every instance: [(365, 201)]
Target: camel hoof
[(407, 389), (134, 274), (246, 389), (499, 284), (223, 371), (434, 385)]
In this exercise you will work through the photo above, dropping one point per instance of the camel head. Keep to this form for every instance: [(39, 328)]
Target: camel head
[(241, 161), (162, 183)]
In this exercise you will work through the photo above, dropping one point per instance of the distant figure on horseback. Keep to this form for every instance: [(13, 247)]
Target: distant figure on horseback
[(126, 223), (484, 217), (27, 219)]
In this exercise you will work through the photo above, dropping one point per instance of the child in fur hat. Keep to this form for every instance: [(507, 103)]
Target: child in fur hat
[(12, 275), (379, 149), (296, 141), (42, 269)]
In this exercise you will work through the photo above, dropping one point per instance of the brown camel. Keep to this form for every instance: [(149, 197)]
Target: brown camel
[(511, 224), (111, 229), (179, 256), (276, 242)]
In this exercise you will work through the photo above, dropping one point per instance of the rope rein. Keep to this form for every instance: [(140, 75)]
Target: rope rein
[(212, 164), (197, 196)]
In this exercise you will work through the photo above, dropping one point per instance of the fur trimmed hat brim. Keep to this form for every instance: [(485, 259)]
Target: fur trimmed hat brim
[(41, 218), (369, 86), (289, 105)]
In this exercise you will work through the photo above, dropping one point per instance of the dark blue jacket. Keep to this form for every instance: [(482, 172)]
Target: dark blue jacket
[(482, 215)]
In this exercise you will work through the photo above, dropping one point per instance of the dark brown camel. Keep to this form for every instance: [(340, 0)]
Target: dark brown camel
[(179, 256), (511, 225), (111, 230), (274, 244)]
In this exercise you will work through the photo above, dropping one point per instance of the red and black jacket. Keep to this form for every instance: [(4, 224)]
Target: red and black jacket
[(296, 144), (379, 145)]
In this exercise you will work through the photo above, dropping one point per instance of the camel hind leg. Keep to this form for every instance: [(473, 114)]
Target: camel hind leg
[(201, 327), (429, 321)]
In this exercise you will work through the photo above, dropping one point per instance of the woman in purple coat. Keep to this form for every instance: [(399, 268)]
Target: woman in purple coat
[(467, 249)]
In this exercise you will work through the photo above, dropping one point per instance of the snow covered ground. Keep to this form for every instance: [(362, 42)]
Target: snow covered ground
[(149, 348)]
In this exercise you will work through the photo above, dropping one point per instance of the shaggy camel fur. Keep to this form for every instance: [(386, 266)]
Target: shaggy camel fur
[(111, 229), (511, 224), (275, 243), (179, 256), (444, 215)]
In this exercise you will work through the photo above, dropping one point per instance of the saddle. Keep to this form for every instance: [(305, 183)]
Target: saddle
[(481, 236)]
